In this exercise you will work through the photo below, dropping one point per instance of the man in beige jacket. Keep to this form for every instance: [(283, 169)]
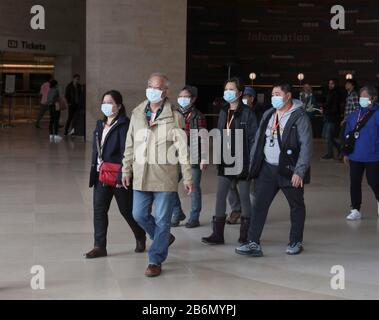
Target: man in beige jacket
[(155, 144)]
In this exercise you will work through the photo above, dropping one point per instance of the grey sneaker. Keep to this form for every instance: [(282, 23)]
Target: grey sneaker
[(294, 248), (251, 248)]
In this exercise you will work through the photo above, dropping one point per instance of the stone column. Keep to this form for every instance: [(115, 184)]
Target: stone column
[(126, 42)]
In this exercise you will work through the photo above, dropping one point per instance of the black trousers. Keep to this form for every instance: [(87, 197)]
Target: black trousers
[(356, 176), (266, 188), (102, 198), (72, 111), (54, 120)]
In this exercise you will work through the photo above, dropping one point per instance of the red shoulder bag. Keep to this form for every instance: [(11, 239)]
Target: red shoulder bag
[(108, 171)]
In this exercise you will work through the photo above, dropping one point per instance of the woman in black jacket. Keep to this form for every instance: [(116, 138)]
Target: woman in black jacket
[(110, 134), (237, 124)]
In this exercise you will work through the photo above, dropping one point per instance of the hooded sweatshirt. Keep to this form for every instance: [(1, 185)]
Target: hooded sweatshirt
[(272, 152)]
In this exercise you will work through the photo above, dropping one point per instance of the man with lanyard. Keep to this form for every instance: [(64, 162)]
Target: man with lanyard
[(194, 120), (151, 169), (280, 161)]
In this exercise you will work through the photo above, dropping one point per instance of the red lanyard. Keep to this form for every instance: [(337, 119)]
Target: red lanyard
[(188, 116), (276, 124)]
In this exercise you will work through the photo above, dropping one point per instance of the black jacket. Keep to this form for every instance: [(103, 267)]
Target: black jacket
[(332, 106), (70, 94), (114, 146), (297, 141), (245, 119)]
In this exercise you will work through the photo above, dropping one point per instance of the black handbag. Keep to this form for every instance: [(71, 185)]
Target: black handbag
[(350, 139)]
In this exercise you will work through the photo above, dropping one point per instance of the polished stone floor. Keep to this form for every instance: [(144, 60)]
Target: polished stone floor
[(46, 219)]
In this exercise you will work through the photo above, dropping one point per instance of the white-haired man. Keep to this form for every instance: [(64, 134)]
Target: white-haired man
[(154, 139)]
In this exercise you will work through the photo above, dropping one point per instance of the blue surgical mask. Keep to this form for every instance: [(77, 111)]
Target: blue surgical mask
[(364, 102), (184, 103), (230, 96), (154, 95), (277, 102), (106, 108)]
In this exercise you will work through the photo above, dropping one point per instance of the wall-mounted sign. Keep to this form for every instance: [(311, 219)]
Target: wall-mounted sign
[(10, 83), (14, 44), (39, 45)]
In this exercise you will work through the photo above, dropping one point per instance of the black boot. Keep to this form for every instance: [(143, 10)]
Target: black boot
[(217, 236), (244, 229)]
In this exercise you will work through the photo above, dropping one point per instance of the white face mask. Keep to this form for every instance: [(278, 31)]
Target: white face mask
[(184, 103), (364, 102), (244, 101), (107, 109), (277, 102), (154, 95)]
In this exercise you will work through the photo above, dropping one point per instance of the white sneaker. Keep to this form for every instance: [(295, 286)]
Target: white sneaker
[(57, 138), (354, 215), (51, 138)]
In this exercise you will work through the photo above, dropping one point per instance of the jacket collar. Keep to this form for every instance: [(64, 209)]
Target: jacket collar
[(166, 111), (237, 112)]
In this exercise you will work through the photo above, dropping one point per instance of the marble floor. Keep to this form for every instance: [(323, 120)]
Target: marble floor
[(46, 220)]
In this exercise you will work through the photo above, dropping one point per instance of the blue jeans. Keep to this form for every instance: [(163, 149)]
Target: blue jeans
[(328, 135), (195, 199), (158, 227)]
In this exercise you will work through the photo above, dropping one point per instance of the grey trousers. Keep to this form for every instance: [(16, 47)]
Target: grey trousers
[(234, 197), (223, 187)]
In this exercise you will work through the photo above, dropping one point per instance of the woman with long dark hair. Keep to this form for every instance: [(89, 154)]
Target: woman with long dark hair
[(109, 138), (237, 124)]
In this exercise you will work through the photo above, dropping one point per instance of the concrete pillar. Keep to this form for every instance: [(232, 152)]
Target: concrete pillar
[(129, 40)]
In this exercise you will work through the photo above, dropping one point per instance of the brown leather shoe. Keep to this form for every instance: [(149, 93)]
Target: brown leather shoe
[(153, 271), (234, 217), (172, 239), (140, 245), (96, 253)]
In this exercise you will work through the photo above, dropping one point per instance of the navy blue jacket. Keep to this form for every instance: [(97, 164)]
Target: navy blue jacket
[(366, 147), (114, 146)]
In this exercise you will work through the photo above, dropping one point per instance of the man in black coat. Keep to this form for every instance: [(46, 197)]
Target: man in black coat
[(74, 97), (332, 116)]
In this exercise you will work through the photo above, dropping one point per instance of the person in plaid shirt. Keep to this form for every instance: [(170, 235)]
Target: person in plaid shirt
[(352, 99), (194, 120), (352, 104)]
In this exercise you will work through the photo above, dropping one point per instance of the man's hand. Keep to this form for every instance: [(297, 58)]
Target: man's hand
[(126, 182), (346, 160), (297, 181), (188, 188), (203, 165)]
